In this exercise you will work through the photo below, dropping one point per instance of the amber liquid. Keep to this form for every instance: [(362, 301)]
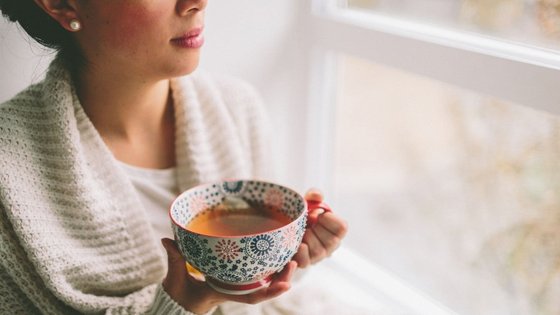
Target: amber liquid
[(222, 221)]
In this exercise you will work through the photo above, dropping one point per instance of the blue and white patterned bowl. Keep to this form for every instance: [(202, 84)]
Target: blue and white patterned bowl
[(239, 264)]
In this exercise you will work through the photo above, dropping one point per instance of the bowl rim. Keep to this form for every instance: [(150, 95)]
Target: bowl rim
[(203, 185)]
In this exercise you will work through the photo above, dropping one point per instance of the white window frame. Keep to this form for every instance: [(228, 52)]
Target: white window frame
[(524, 75)]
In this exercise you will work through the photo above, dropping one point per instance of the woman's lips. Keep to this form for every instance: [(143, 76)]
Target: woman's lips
[(192, 39)]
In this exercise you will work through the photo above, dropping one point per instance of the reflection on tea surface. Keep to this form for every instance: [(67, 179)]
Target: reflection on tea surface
[(236, 217)]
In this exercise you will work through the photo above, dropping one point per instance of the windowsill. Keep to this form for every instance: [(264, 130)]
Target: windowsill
[(356, 281), (448, 36)]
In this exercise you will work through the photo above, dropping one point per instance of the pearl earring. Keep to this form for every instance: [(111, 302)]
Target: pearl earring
[(75, 25)]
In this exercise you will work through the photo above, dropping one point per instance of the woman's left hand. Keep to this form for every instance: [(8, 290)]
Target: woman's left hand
[(321, 239)]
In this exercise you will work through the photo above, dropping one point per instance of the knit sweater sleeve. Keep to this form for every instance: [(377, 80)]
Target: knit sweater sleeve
[(12, 299), (252, 121), (21, 293), (21, 289), (72, 239), (161, 304)]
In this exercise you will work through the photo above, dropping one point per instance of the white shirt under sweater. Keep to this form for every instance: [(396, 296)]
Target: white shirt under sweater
[(157, 188)]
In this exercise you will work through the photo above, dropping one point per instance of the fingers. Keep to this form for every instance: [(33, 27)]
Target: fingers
[(314, 198), (317, 250), (282, 281), (314, 194), (313, 216), (190, 293), (175, 261), (170, 246), (333, 224), (328, 240), (279, 285), (286, 274), (176, 272), (321, 240), (177, 267), (310, 251), (198, 296), (302, 256)]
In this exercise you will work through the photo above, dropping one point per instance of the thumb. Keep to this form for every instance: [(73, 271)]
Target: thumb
[(314, 194), (175, 262)]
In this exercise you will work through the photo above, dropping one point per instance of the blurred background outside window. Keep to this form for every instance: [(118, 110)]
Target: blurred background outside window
[(453, 192), (526, 22)]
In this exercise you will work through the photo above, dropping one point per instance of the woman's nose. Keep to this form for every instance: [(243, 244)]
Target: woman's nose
[(185, 7)]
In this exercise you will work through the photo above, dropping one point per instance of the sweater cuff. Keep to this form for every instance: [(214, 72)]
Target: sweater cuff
[(165, 305)]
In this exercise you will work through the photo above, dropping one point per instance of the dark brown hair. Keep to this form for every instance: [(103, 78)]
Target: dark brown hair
[(43, 28)]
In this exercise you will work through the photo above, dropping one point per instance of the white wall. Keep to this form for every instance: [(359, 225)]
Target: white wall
[(22, 61), (255, 40), (264, 42)]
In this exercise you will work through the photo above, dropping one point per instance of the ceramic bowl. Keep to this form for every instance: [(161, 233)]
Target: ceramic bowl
[(239, 264)]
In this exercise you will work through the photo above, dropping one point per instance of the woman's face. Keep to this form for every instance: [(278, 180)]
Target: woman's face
[(154, 39)]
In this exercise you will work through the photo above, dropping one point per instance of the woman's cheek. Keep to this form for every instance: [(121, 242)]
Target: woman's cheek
[(131, 28)]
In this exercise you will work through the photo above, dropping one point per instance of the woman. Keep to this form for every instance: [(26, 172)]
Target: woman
[(91, 157)]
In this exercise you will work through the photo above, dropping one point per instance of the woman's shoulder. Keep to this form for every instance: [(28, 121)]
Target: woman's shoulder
[(30, 117), (23, 105), (54, 86), (29, 94)]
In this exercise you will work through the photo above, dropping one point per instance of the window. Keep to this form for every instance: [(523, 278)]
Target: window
[(525, 22), (438, 138)]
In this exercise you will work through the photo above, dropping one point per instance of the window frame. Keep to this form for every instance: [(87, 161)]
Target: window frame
[(450, 56), (453, 56), (520, 74)]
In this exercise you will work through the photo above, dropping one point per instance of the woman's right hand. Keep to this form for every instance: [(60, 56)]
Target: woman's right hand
[(198, 297)]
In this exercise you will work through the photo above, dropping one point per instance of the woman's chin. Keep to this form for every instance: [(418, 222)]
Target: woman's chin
[(183, 66)]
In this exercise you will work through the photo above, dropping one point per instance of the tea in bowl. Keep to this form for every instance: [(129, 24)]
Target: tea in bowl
[(238, 233)]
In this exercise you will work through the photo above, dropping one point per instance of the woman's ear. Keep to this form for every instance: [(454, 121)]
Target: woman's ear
[(63, 11)]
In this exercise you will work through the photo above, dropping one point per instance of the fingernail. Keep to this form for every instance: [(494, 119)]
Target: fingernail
[(314, 194)]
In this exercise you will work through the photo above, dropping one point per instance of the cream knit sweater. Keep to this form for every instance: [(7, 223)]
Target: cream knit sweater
[(74, 237)]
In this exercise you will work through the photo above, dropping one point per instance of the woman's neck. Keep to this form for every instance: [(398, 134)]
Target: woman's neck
[(134, 116), (119, 105)]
